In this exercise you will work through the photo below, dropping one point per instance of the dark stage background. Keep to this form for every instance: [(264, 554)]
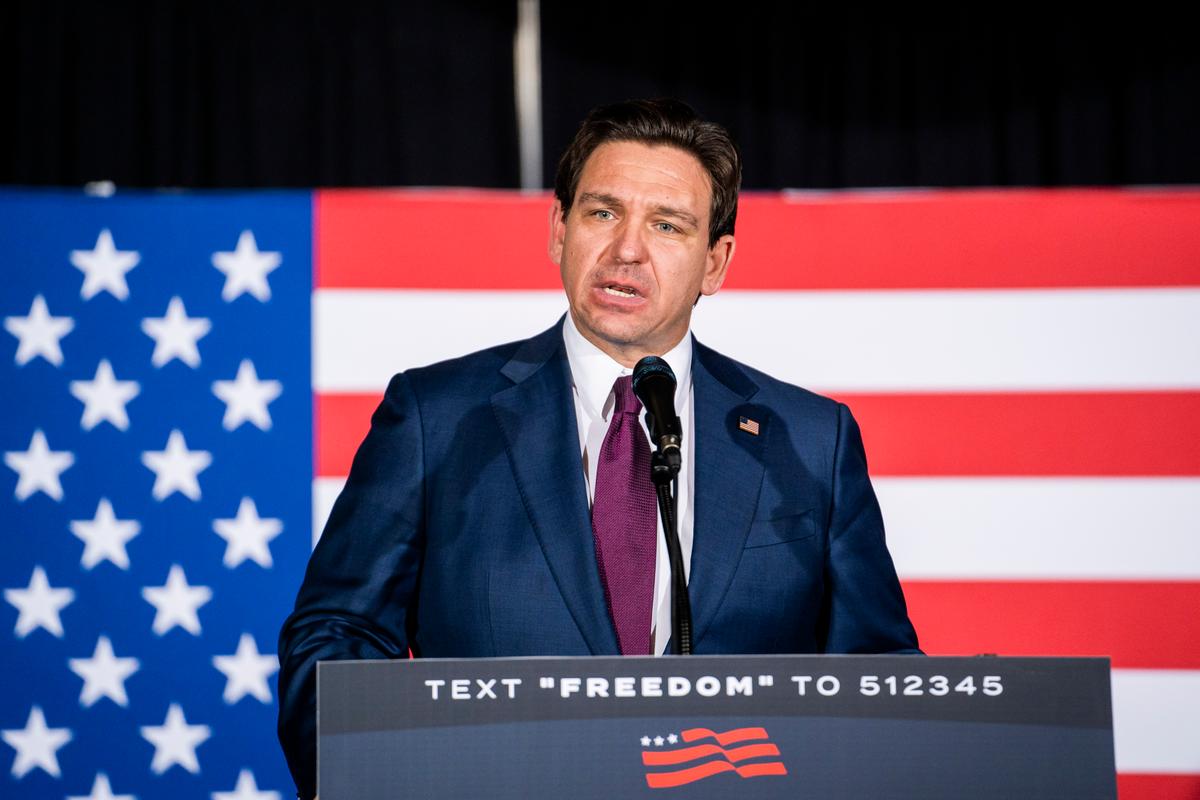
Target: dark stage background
[(402, 93)]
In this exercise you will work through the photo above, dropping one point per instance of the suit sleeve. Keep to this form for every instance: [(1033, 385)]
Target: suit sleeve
[(866, 609), (358, 597)]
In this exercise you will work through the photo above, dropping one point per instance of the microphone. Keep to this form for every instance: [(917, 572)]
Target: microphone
[(654, 385)]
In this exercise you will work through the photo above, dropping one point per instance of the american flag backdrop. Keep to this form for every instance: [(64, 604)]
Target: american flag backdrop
[(1025, 366)]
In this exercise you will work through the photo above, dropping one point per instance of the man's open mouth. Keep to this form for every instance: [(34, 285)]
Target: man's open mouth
[(620, 291)]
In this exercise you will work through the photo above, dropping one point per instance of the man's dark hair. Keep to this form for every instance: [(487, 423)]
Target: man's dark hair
[(660, 121)]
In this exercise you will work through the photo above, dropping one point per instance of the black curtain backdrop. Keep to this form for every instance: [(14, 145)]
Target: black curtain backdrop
[(374, 93), (233, 94), (829, 99)]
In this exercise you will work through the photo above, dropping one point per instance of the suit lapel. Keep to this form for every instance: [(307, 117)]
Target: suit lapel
[(537, 418), (728, 475)]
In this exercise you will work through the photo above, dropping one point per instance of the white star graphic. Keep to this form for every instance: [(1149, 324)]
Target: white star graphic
[(39, 468), (175, 742), (175, 335), (672, 739), (105, 536), (645, 741), (104, 267), (246, 269), (176, 602), (104, 398), (102, 790), (103, 674), (246, 397), (246, 789), (39, 333), (39, 605), (658, 741), (176, 468), (246, 535), (246, 671), (36, 745)]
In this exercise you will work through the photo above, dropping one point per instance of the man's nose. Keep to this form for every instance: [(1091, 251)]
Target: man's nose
[(630, 244)]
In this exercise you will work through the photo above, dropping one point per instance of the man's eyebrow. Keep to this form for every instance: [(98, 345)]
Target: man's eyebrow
[(678, 213), (599, 197)]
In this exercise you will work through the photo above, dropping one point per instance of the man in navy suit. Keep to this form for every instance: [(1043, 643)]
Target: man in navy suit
[(465, 528)]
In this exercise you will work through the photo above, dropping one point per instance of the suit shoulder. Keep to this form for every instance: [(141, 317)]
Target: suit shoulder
[(794, 394), (488, 360), (464, 375), (477, 374), (772, 390)]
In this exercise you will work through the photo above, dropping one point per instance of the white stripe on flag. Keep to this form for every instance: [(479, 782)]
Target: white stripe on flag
[(1156, 720), (363, 337), (962, 340), (952, 340), (1043, 528)]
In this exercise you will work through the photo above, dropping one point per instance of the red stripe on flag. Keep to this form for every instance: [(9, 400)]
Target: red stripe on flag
[(1158, 787), (340, 423), (661, 758), (725, 738), (472, 239), (1103, 434), (1114, 434), (968, 240), (469, 239), (1140, 625), (664, 780)]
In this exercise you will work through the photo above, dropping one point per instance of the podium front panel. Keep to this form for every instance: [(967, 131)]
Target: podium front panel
[(716, 727)]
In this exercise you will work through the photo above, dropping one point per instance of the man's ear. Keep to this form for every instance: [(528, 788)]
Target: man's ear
[(717, 264), (558, 231)]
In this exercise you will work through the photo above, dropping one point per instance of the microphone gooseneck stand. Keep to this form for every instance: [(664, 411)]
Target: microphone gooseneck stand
[(664, 471)]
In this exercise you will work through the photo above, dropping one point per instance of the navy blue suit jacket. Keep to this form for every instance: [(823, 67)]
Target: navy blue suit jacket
[(464, 528)]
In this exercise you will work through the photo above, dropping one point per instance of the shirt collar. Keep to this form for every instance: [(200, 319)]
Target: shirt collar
[(593, 371)]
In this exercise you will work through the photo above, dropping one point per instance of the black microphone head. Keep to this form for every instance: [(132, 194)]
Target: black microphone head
[(651, 371), (654, 384)]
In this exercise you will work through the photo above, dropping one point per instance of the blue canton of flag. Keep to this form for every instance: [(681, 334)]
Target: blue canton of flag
[(156, 488)]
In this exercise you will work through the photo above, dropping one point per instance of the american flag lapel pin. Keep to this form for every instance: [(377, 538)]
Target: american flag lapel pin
[(748, 425)]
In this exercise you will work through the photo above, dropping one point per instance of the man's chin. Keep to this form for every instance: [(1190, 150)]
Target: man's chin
[(617, 332), (626, 340), (629, 331)]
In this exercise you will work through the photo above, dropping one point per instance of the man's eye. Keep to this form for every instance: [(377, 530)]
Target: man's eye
[(667, 227), (602, 213)]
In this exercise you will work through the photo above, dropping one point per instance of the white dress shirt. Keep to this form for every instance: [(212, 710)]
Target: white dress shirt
[(593, 373)]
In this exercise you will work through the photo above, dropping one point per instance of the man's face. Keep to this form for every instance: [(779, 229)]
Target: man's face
[(633, 250)]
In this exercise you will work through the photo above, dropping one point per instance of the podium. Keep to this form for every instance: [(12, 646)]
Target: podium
[(716, 727)]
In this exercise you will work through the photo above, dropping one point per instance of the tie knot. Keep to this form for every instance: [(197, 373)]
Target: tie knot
[(627, 401)]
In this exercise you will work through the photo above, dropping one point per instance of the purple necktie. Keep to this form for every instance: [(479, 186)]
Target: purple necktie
[(624, 523)]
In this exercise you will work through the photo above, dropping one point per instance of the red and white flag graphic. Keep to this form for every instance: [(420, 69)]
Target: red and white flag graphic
[(679, 760)]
